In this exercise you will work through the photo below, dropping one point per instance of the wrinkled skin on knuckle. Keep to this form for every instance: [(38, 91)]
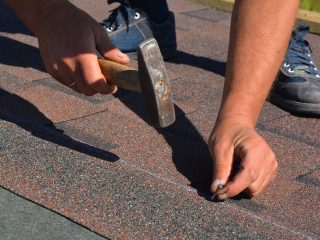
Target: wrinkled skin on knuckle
[(253, 174), (221, 147), (258, 144), (220, 153), (219, 168), (271, 161)]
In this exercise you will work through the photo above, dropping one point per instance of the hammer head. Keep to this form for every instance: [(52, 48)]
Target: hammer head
[(154, 83)]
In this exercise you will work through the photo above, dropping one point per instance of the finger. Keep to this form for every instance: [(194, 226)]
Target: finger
[(73, 85), (220, 190), (106, 48), (67, 81), (83, 88), (223, 158), (92, 75), (268, 173), (241, 181), (256, 190)]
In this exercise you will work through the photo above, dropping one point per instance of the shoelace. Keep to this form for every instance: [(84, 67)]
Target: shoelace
[(112, 24), (298, 57)]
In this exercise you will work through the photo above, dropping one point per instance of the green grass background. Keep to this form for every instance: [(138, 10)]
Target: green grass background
[(313, 5)]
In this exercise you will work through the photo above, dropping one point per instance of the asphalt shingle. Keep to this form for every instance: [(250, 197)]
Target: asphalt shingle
[(97, 161)]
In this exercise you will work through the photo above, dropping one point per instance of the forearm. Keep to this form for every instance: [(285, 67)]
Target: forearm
[(33, 12), (260, 32)]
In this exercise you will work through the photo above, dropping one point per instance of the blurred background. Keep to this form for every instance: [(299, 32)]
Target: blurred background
[(313, 5)]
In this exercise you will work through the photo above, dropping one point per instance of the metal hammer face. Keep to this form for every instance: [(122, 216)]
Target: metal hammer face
[(151, 80), (154, 83)]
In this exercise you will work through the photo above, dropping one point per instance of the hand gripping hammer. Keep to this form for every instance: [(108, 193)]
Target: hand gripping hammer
[(151, 80)]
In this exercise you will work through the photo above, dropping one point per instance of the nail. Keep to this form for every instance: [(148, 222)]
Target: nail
[(115, 90), (219, 187), (213, 197)]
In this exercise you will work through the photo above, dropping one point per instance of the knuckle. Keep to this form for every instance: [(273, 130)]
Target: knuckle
[(253, 175), (272, 157), (221, 147), (275, 165), (218, 168), (269, 160), (254, 191), (215, 150), (272, 161)]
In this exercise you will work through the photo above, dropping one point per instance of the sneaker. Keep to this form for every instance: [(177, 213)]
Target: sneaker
[(297, 87), (128, 27)]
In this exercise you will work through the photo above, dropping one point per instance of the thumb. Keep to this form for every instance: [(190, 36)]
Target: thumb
[(107, 49), (222, 159)]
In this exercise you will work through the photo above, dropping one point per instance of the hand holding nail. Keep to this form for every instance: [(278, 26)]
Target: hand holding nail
[(243, 162)]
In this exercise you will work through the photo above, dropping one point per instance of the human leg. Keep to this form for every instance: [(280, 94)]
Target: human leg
[(157, 10), (297, 88), (129, 25)]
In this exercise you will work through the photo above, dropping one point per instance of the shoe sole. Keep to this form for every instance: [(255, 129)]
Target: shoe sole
[(312, 109)]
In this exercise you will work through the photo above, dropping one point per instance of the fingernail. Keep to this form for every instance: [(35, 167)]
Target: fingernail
[(217, 184), (122, 55), (222, 197), (214, 195), (115, 90)]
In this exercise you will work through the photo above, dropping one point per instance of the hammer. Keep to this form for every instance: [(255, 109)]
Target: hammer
[(151, 79)]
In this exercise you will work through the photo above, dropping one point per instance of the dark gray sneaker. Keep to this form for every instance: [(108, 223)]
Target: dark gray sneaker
[(128, 27), (297, 87)]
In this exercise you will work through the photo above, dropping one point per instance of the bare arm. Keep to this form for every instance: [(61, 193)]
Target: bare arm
[(68, 40), (260, 32)]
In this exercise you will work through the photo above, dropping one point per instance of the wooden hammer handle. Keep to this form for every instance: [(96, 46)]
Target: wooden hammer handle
[(120, 75)]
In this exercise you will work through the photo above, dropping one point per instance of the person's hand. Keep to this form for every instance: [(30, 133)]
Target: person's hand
[(68, 41), (243, 161)]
